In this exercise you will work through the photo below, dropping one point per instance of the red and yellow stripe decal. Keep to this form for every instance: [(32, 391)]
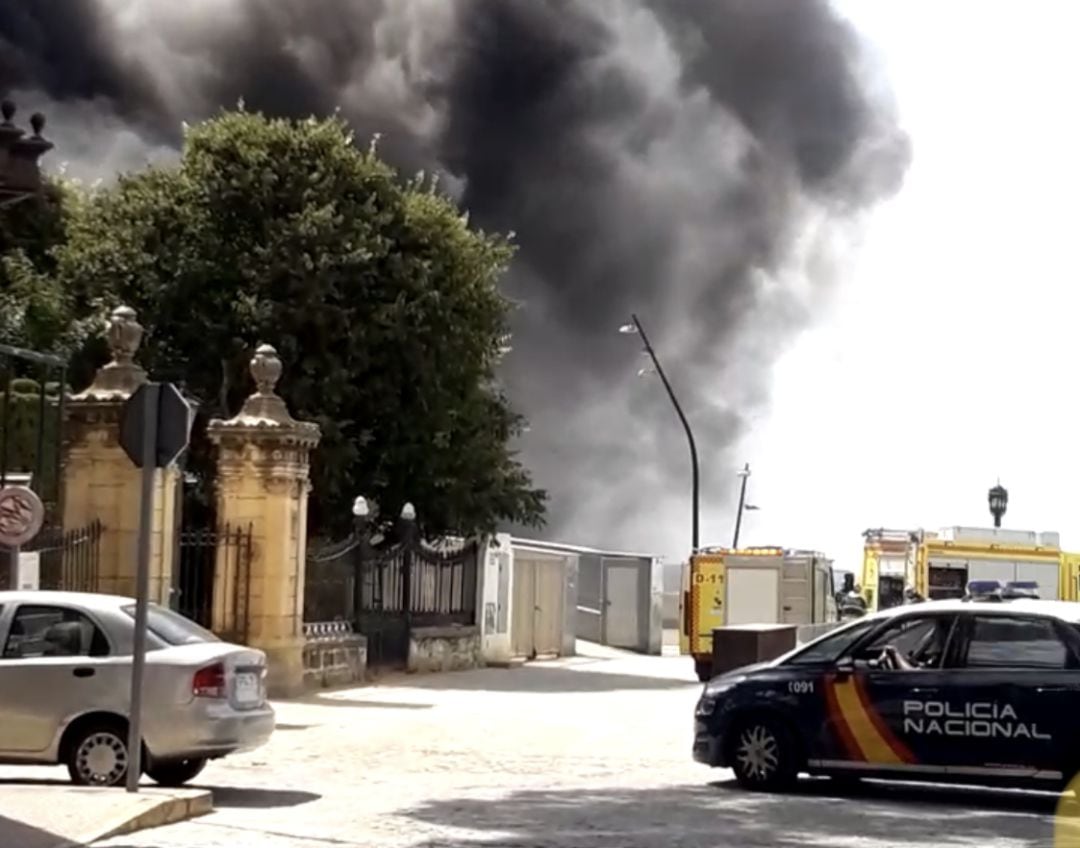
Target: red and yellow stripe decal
[(862, 732)]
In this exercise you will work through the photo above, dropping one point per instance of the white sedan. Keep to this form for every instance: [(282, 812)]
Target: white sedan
[(65, 684)]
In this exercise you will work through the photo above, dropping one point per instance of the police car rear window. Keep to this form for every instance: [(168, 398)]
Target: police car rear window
[(1004, 642)]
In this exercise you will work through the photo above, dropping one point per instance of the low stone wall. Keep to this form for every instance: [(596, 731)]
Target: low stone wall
[(451, 648), (333, 655)]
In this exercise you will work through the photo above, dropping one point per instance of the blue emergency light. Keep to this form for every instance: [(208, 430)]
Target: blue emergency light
[(1021, 589), (984, 588)]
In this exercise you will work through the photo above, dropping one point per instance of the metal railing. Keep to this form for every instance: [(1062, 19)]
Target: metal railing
[(214, 579)]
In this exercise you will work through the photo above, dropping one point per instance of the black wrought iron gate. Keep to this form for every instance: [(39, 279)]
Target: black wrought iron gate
[(388, 587)]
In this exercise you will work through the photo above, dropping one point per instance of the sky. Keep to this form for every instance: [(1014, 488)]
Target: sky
[(944, 361), (937, 364)]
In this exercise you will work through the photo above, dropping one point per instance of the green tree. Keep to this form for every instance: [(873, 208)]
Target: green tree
[(35, 312), (379, 296)]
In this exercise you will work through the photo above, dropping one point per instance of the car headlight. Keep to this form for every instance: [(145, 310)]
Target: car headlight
[(714, 689), (718, 687)]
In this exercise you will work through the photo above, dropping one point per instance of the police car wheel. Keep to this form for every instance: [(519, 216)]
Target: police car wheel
[(762, 755)]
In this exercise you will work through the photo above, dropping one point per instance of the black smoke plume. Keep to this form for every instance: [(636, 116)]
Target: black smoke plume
[(699, 162)]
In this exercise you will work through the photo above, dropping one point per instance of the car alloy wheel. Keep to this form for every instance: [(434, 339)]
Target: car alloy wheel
[(757, 754), (101, 759)]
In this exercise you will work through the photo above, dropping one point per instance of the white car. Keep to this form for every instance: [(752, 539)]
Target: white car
[(65, 685)]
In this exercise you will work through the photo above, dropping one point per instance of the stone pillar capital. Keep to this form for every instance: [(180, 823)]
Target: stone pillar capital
[(264, 432), (119, 379)]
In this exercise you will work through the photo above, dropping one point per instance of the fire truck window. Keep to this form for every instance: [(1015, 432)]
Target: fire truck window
[(1014, 642)]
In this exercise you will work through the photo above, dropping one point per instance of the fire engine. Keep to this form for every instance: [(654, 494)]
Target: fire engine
[(760, 585), (899, 564)]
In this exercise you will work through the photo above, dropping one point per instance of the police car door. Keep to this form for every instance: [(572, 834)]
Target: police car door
[(1013, 712), (868, 701)]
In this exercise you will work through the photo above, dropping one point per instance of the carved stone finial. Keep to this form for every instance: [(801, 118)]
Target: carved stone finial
[(266, 370), (124, 335), (264, 415), (8, 111), (121, 377), (37, 123), (266, 405)]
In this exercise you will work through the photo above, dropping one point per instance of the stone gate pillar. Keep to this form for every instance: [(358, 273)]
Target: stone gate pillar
[(262, 483), (102, 484)]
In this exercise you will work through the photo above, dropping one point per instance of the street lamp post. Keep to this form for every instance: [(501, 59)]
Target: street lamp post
[(998, 498), (635, 328), (408, 535), (745, 474), (20, 176), (361, 513)]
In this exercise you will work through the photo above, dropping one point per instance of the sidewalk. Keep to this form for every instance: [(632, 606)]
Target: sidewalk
[(54, 814)]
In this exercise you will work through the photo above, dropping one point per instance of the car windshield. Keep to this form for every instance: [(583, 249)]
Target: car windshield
[(831, 646), (172, 628)]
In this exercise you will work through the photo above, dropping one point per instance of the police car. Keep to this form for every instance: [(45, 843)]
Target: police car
[(945, 691)]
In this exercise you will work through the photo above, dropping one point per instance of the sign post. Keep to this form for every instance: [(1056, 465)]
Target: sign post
[(154, 430), (21, 516)]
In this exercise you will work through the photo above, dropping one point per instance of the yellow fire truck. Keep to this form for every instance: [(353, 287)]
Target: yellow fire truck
[(942, 565), (767, 585)]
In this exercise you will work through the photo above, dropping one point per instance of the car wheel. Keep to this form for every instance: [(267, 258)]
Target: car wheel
[(175, 772), (763, 755), (703, 669), (98, 755)]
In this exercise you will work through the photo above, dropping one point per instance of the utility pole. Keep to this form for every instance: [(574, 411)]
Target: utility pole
[(745, 474)]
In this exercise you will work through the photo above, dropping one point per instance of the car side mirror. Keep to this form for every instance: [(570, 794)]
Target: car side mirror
[(845, 667)]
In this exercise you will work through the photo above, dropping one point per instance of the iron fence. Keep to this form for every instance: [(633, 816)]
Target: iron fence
[(385, 588), (329, 581), (32, 423), (70, 559), (214, 579)]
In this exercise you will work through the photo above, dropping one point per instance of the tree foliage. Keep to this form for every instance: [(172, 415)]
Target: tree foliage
[(35, 312), (379, 296)]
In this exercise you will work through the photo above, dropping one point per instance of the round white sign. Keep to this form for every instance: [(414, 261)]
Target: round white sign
[(21, 515)]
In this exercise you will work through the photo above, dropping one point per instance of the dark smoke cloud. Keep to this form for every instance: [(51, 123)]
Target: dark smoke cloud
[(700, 163)]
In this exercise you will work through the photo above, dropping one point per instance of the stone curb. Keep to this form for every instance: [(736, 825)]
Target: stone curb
[(166, 809)]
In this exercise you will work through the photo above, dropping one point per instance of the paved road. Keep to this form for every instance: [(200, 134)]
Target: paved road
[(588, 753)]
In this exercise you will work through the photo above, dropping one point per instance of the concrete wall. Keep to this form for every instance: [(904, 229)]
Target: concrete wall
[(451, 648), (333, 657), (672, 589), (653, 637), (589, 618), (570, 604), (495, 599)]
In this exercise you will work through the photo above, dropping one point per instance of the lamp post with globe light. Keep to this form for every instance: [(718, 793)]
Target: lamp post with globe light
[(998, 498), (361, 513), (635, 329), (407, 534)]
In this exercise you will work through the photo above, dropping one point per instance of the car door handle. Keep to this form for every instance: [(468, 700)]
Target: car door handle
[(83, 671), (923, 690), (1044, 689)]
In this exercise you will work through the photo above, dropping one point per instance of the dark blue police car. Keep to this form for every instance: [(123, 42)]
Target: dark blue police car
[(946, 691)]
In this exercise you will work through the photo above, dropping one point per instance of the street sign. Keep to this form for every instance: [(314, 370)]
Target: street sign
[(172, 419), (21, 514), (154, 430)]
